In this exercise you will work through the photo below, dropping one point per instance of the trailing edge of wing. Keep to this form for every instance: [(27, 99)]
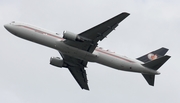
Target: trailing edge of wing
[(100, 31)]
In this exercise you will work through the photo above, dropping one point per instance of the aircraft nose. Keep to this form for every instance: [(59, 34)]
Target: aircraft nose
[(7, 26), (10, 28)]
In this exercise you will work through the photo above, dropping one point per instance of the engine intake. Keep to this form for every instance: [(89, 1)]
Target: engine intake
[(75, 37), (56, 61)]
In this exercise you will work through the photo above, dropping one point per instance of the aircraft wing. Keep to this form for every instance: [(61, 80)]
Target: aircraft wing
[(97, 33), (76, 67), (93, 35), (100, 31)]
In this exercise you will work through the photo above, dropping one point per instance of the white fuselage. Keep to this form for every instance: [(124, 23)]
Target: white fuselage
[(99, 55)]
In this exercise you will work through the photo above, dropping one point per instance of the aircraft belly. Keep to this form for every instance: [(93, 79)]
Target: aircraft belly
[(45, 40), (111, 61), (122, 64), (75, 52), (118, 63), (23, 33)]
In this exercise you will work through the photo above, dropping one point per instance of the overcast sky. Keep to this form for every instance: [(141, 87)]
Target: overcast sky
[(27, 77)]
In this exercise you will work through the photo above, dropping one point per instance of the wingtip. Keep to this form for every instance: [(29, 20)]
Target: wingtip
[(165, 48), (86, 89), (168, 56), (126, 13)]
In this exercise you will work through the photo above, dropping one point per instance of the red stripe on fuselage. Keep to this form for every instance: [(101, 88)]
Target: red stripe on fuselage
[(99, 50), (114, 55), (42, 32)]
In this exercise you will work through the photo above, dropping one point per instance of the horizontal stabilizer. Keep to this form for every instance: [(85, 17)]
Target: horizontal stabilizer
[(149, 78), (153, 55), (157, 63)]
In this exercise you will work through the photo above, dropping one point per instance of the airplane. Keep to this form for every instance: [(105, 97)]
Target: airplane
[(77, 50)]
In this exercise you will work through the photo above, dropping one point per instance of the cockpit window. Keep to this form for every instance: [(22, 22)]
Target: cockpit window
[(13, 22)]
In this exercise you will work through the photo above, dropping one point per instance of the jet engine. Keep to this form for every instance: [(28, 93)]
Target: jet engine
[(75, 37), (56, 61)]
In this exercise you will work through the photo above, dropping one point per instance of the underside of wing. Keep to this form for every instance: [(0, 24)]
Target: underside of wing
[(76, 67), (80, 76), (100, 31), (91, 38)]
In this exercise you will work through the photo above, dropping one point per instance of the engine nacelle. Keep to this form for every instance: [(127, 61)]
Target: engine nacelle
[(75, 37), (56, 61), (70, 36)]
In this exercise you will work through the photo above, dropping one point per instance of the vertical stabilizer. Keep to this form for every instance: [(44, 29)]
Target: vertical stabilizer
[(155, 65), (149, 78), (154, 60)]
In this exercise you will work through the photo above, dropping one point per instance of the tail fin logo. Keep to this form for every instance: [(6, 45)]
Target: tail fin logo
[(152, 56)]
